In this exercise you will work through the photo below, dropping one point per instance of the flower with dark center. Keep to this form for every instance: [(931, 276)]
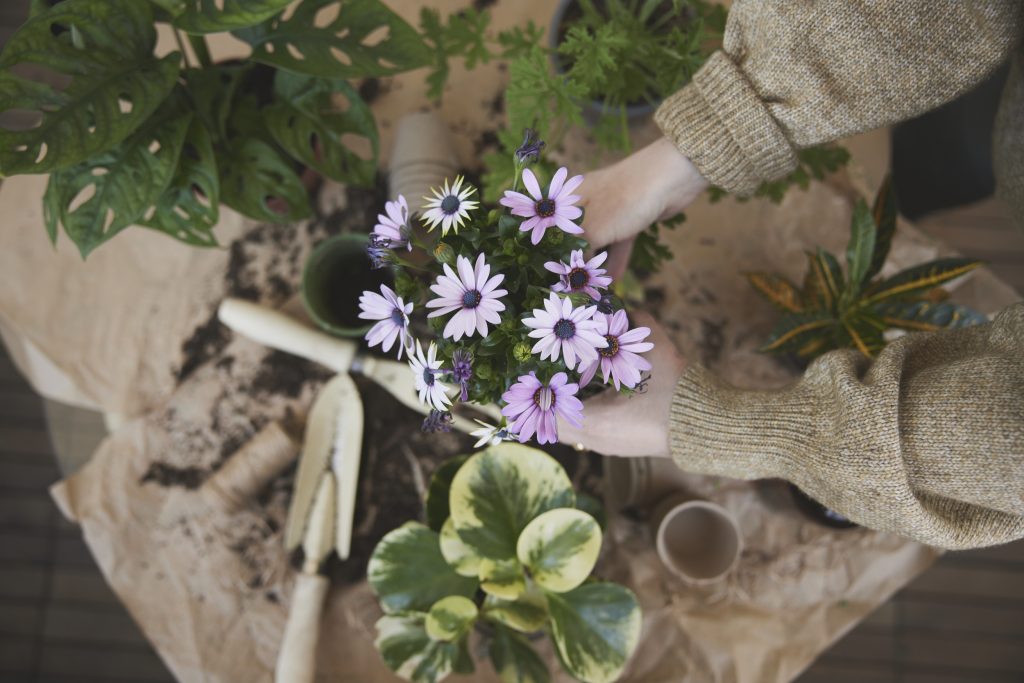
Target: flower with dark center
[(618, 360), (462, 371), (432, 391), (529, 151), (392, 230), (449, 206), (563, 330), (579, 275), (472, 294), (556, 207), (393, 316), (490, 435), (437, 421), (534, 407)]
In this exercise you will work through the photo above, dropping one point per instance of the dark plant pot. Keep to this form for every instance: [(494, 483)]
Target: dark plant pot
[(818, 512), (333, 278)]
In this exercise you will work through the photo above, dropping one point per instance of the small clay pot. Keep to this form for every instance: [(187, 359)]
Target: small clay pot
[(698, 541), (335, 275)]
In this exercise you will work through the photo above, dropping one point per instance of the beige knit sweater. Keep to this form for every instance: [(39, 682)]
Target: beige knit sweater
[(928, 440)]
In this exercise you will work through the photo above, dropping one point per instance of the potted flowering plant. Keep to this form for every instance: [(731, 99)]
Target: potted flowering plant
[(519, 315), (508, 556)]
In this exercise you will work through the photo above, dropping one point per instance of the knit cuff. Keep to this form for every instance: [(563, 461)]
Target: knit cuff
[(717, 429), (721, 125)]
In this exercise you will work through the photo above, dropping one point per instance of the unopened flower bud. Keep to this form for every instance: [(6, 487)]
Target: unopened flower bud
[(444, 254), (521, 352)]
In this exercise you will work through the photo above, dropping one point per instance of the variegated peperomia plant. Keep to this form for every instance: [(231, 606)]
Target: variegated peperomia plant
[(507, 555)]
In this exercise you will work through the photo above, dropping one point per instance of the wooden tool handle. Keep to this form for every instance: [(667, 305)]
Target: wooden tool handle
[(296, 662), (279, 331)]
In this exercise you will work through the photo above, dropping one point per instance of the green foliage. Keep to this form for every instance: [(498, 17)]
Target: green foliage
[(132, 139), (543, 565), (831, 311), (648, 251)]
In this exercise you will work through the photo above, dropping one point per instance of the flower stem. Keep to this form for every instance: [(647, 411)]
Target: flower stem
[(201, 48), (181, 46)]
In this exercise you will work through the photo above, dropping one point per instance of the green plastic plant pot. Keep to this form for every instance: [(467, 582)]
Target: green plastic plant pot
[(335, 275)]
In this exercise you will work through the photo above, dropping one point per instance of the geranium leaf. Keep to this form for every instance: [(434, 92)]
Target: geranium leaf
[(861, 247), (462, 558), (884, 214), (118, 186), (595, 628), (560, 548), (526, 613), (407, 571), (308, 122), (451, 618), (338, 48), (258, 182), (438, 491), (778, 290), (212, 16), (913, 281), (407, 650), (112, 82), (514, 660), (499, 490)]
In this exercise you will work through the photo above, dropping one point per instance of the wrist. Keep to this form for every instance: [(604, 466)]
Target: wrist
[(672, 177)]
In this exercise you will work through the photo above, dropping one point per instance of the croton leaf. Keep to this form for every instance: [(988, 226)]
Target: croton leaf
[(500, 490), (103, 49), (502, 578), (595, 628), (344, 46), (451, 618), (861, 248), (797, 330), (884, 214), (864, 331), (439, 489), (96, 199), (211, 16), (308, 122), (514, 660), (407, 571), (462, 558), (823, 283), (560, 548), (258, 182), (407, 650), (913, 281), (188, 209), (527, 613), (777, 289), (927, 315)]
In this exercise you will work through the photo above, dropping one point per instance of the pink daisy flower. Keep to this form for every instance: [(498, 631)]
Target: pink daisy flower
[(392, 229), (542, 211), (579, 275), (562, 329), (472, 294), (393, 314), (533, 407), (619, 359)]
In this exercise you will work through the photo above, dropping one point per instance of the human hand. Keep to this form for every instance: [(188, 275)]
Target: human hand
[(634, 425), (621, 200)]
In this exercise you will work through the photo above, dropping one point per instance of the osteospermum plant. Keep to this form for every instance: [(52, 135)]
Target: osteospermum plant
[(511, 309), (504, 559)]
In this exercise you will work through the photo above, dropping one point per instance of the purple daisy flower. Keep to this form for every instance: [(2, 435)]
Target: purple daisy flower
[(563, 329), (619, 360), (579, 275), (393, 314), (472, 294), (556, 208), (533, 407), (392, 229), (462, 371)]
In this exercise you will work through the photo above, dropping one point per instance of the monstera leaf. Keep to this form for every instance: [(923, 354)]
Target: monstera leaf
[(412, 654), (408, 573), (258, 182), (118, 186), (213, 91), (307, 122), (499, 491), (595, 627), (211, 16), (104, 50), (514, 660), (560, 548), (342, 47)]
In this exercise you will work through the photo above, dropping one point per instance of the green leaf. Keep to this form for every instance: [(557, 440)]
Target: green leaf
[(913, 281), (307, 121), (407, 571), (823, 284), (407, 650), (114, 82), (514, 660), (860, 249), (593, 507), (502, 578), (560, 548), (795, 331), (438, 491), (212, 16), (884, 214), (451, 618), (864, 332), (213, 90), (338, 48), (117, 186), (462, 558), (499, 490), (526, 613), (595, 627), (255, 180), (782, 293), (927, 316), (190, 206)]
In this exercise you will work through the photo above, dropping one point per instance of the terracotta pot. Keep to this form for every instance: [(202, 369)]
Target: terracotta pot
[(698, 541)]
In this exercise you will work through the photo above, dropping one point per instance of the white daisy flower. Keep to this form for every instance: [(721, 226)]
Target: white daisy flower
[(449, 206), (433, 391), (489, 434)]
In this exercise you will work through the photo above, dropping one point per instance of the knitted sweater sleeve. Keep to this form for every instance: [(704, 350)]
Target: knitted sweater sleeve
[(926, 441), (792, 74)]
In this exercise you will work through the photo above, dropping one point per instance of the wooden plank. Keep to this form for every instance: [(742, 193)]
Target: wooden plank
[(19, 511), (16, 656), (14, 439), (24, 547), (72, 551), (107, 663), (931, 615), (22, 583), (865, 645), (970, 582), (19, 619), (82, 585), (836, 671), (32, 473), (981, 653), (1010, 552), (88, 625)]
